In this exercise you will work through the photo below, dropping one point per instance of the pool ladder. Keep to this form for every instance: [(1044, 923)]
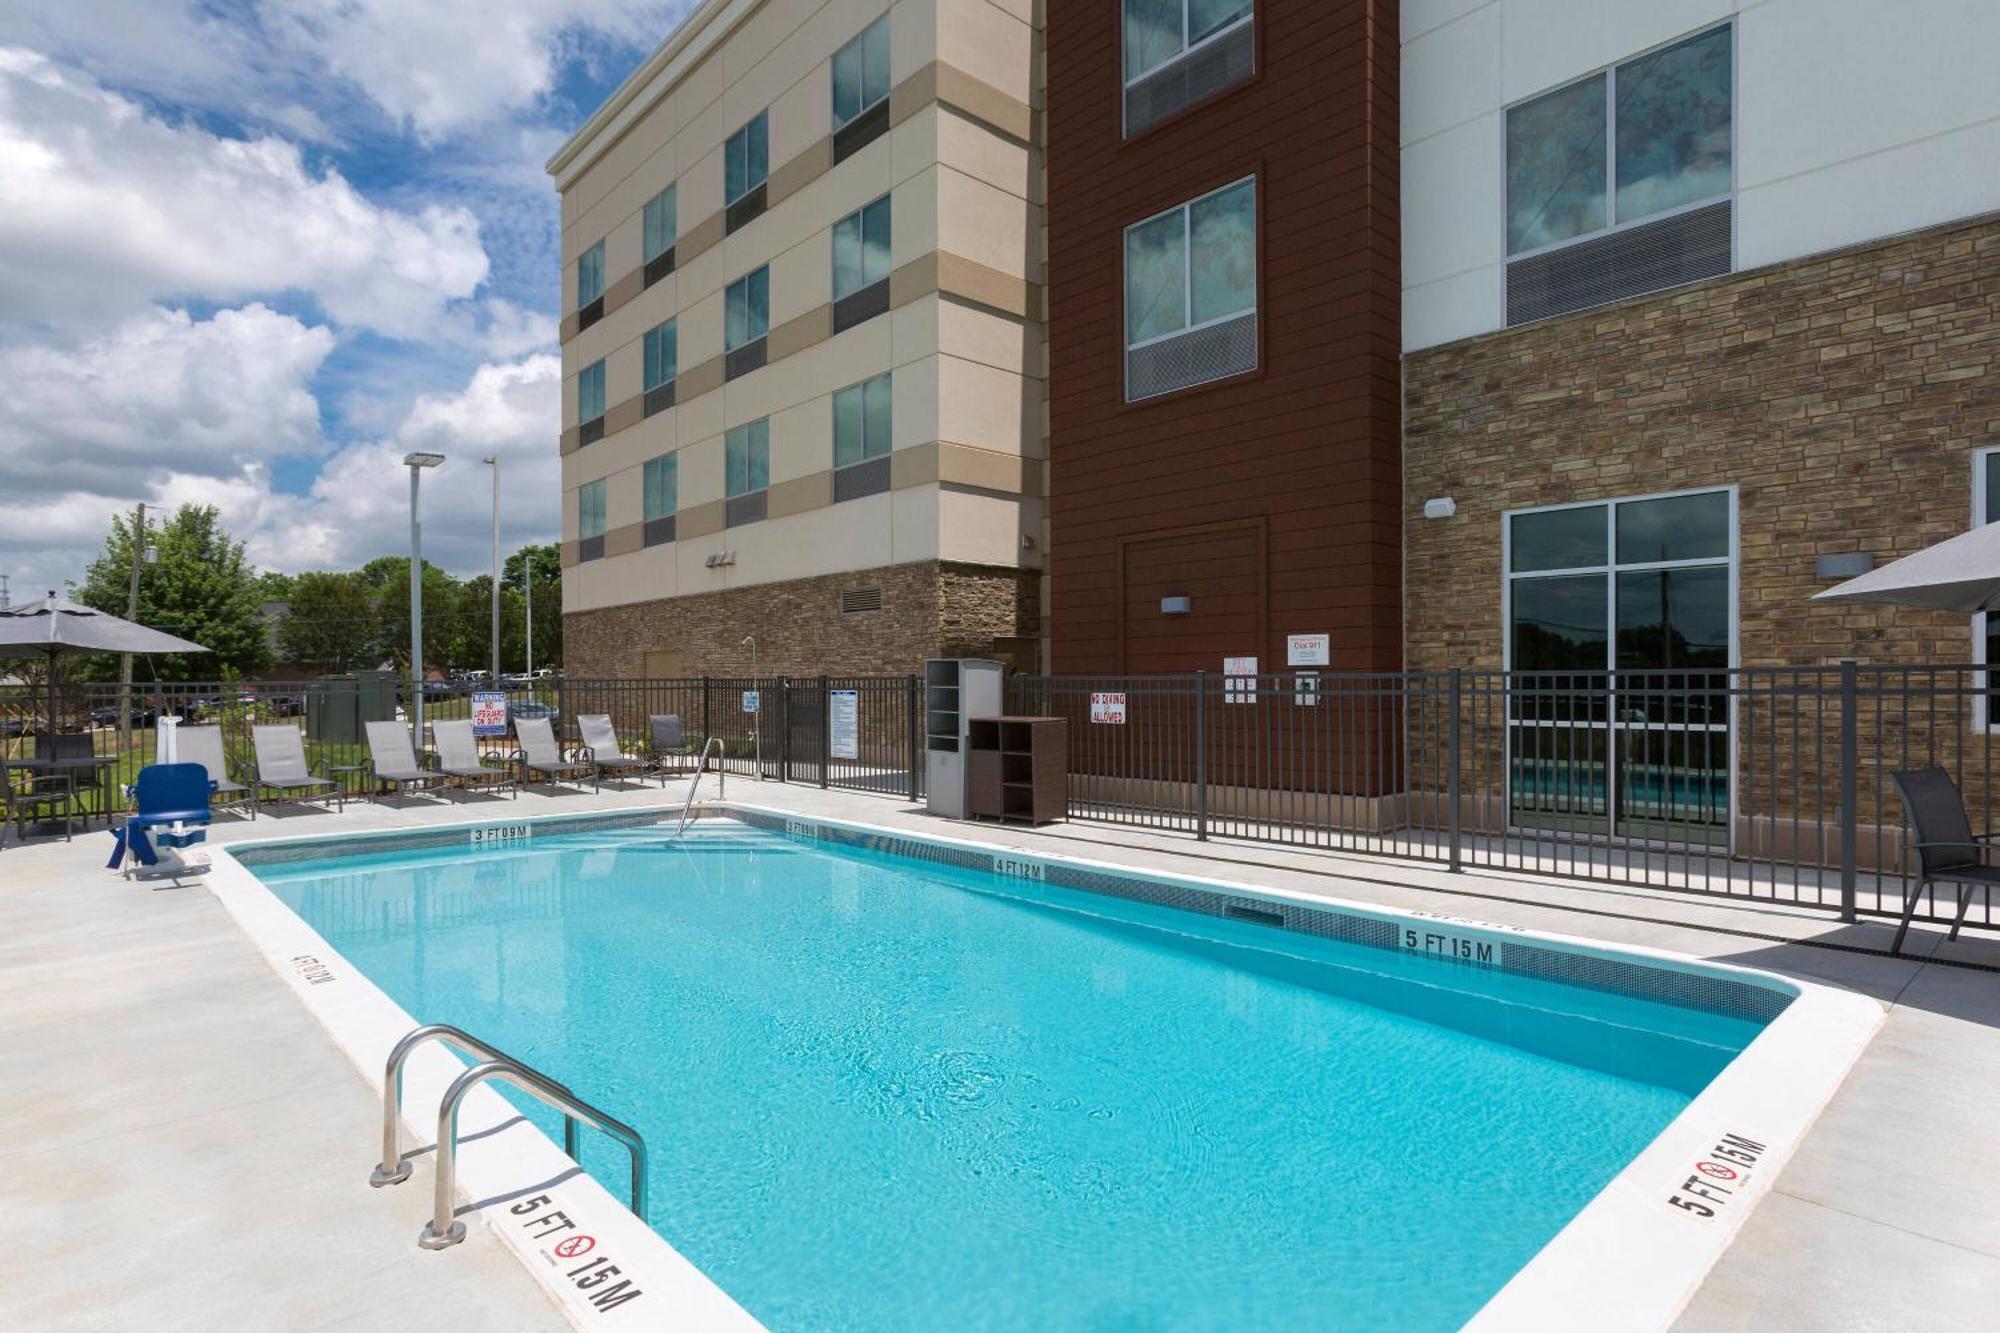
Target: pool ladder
[(443, 1229), (701, 766)]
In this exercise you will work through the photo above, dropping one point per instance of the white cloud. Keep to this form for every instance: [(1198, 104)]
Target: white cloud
[(109, 208)]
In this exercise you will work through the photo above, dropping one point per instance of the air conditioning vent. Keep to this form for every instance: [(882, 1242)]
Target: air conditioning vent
[(1227, 60), (1192, 358), (1681, 249), (854, 600)]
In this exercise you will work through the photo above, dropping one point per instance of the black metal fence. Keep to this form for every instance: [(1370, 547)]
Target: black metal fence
[(1772, 783)]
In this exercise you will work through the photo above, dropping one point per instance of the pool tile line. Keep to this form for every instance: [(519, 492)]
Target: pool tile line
[(1683, 984)]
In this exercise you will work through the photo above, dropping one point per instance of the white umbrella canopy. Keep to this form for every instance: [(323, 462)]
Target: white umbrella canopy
[(1960, 574)]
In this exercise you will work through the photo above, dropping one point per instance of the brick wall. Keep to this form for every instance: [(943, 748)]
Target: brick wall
[(1844, 395), (928, 610)]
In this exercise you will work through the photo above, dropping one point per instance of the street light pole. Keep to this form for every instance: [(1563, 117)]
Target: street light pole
[(494, 683), (132, 614), (528, 600), (417, 462)]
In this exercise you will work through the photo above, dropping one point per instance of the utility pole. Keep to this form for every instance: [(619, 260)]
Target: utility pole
[(132, 614), (494, 682)]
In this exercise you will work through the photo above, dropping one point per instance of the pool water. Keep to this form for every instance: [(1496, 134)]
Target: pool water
[(886, 1094)]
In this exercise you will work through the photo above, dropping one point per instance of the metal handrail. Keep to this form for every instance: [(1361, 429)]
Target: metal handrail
[(701, 767), (442, 1230)]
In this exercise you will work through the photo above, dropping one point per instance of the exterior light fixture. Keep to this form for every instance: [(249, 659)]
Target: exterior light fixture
[(1440, 506), (1176, 606), (1846, 565)]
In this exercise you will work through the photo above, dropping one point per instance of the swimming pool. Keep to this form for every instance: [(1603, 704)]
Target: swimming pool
[(975, 1091)]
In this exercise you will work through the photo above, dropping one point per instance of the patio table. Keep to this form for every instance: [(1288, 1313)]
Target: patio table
[(99, 771)]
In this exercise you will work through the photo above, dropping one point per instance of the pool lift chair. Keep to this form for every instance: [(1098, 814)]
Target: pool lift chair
[(172, 813)]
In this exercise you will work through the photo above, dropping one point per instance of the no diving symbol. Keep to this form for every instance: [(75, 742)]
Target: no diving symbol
[(1716, 1170), (573, 1246)]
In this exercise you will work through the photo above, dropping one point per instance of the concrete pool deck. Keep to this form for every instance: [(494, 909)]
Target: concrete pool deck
[(194, 1146)]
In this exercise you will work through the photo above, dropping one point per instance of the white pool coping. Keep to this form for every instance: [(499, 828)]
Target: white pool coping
[(1632, 1258)]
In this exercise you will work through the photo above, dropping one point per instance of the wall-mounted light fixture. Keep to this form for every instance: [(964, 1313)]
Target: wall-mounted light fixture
[(1846, 565), (1440, 506), (720, 560), (1176, 606)]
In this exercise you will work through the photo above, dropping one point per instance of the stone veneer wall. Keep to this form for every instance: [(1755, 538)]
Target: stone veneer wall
[(929, 609), (1844, 395)]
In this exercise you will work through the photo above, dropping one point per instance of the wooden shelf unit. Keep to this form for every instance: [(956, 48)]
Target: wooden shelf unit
[(1017, 769)]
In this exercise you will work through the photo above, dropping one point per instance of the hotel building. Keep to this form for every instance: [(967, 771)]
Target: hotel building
[(802, 348)]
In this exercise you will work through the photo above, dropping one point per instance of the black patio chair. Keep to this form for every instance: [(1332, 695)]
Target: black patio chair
[(27, 798), (1948, 851)]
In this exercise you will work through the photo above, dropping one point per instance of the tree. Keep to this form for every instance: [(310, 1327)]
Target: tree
[(545, 564), (334, 624), (198, 588), (392, 606)]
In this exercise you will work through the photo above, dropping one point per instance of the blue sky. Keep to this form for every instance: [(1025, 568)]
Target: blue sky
[(255, 250)]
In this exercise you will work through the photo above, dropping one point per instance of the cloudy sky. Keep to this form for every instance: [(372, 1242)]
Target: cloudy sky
[(253, 251)]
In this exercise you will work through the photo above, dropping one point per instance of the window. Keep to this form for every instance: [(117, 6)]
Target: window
[(590, 393), (861, 265), (861, 73), (1620, 626), (746, 159), (590, 275), (660, 482), (661, 357), (1986, 625), (1647, 143), (862, 420), (590, 500), (1178, 52), (660, 223), (1191, 277), (746, 456), (746, 318)]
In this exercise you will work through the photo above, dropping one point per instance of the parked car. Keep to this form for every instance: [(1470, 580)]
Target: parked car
[(142, 714), (531, 708)]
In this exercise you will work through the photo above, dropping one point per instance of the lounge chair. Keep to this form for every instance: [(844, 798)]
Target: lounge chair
[(282, 768), (458, 756), (1947, 849), (538, 752), (28, 797), (669, 742), (601, 750), (391, 759), (203, 745)]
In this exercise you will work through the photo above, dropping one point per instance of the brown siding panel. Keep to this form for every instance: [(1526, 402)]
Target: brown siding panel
[(1304, 451)]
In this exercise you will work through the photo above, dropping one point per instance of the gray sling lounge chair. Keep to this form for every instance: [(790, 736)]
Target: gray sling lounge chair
[(281, 768), (1947, 849), (203, 745), (458, 757), (538, 753), (670, 746), (393, 761), (601, 750)]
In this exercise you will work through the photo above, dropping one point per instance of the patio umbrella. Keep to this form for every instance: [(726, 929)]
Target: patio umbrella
[(1960, 574), (56, 626)]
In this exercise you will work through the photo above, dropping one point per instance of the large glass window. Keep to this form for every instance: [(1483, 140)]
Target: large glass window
[(861, 72), (590, 509), (660, 481), (1648, 136), (662, 354), (746, 309), (746, 454), (1157, 31), (1192, 266), (660, 222), (1619, 628), (590, 275), (862, 421), (746, 159), (590, 392), (861, 248)]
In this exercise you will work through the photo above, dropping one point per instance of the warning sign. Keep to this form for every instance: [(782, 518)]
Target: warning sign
[(1108, 709)]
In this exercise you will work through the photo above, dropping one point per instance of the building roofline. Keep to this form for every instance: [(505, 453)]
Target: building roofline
[(697, 34)]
